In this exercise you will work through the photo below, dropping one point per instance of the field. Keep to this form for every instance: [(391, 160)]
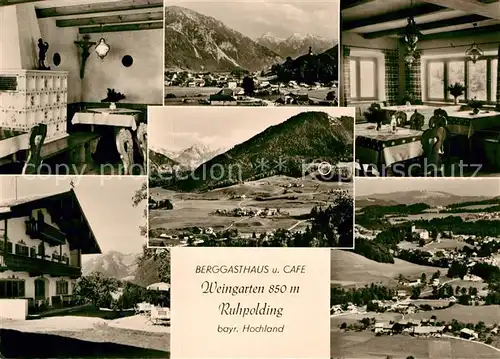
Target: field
[(365, 345), (350, 269), (193, 94), (196, 209), (125, 337)]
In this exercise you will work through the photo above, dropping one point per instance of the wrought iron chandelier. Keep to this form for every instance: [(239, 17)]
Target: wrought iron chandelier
[(411, 37), (474, 53)]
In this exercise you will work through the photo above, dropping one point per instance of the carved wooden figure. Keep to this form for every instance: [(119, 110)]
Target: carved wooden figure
[(34, 160), (125, 146)]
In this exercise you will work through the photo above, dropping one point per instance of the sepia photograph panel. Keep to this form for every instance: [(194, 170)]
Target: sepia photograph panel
[(76, 78), (76, 277), (423, 76), (246, 53), (424, 278), (279, 177)]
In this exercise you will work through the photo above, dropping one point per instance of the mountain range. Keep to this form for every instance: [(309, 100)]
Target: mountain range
[(432, 198), (112, 264), (198, 42), (296, 44), (301, 139), (188, 158)]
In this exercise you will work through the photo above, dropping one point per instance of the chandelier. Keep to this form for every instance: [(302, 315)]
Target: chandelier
[(102, 49), (412, 34), (474, 53)]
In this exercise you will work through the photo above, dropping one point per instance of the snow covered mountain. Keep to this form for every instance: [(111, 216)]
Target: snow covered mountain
[(202, 43), (112, 264), (195, 155), (296, 44)]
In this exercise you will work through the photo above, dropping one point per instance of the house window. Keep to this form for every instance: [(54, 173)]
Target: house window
[(62, 287), (12, 288), (363, 73), (33, 252), (436, 80), (494, 74), (9, 247), (479, 78), (41, 250), (22, 250)]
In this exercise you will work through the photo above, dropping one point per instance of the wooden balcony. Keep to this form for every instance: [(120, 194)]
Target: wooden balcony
[(44, 231), (36, 266)]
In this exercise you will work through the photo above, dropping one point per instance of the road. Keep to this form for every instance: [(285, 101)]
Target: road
[(473, 341), (296, 224)]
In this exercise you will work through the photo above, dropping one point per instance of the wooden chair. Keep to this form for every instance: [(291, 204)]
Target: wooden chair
[(433, 145), (125, 146), (417, 121), (142, 137), (401, 119), (34, 159)]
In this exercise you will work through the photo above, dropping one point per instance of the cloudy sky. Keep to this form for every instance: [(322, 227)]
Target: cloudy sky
[(106, 201), (458, 186), (281, 18), (178, 128)]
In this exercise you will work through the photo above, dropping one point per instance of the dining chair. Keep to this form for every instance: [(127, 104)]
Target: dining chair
[(433, 142), (417, 121), (401, 119), (36, 141)]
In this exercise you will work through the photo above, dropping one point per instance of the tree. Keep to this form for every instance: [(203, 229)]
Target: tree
[(436, 275), (330, 96), (140, 196), (415, 293), (423, 278), (248, 86), (96, 288)]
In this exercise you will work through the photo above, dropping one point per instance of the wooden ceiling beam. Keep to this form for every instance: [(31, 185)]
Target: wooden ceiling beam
[(491, 10), (392, 16), (112, 19), (348, 4), (95, 8), (428, 26), (15, 2), (462, 33), (153, 25)]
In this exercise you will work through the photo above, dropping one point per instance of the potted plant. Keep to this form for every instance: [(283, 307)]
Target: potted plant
[(374, 114), (456, 90), (113, 97), (475, 105)]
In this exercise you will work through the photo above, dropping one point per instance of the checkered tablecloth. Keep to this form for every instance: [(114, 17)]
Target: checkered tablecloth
[(386, 148)]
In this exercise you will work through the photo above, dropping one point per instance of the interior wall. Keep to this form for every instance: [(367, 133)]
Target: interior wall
[(140, 83), (487, 42), (355, 40), (62, 40), (19, 33)]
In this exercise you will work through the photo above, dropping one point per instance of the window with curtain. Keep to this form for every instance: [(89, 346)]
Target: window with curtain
[(494, 79), (456, 74), (476, 78), (436, 80), (363, 78)]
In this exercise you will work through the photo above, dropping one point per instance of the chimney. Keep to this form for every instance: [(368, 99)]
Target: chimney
[(19, 34)]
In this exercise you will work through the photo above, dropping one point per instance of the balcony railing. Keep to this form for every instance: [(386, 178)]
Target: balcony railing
[(38, 266), (41, 230)]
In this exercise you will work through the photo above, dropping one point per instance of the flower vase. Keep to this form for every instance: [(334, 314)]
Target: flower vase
[(475, 110), (456, 101), (112, 106)]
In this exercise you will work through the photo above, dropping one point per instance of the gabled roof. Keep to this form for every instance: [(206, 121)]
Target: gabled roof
[(65, 210)]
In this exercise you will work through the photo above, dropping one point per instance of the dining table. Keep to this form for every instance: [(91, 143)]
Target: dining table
[(467, 123), (426, 110), (125, 122), (384, 148)]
